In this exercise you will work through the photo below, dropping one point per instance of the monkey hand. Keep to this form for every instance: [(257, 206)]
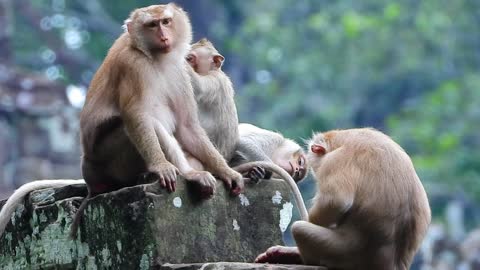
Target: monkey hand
[(205, 181), (233, 180), (166, 173), (257, 173), (281, 255)]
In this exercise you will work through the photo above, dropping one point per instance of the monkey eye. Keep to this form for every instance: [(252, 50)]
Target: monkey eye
[(301, 161), (151, 24), (166, 21)]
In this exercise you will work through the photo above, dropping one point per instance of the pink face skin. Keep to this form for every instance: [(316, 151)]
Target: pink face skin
[(294, 164), (160, 32)]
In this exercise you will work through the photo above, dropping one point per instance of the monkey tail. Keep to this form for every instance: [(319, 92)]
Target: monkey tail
[(78, 217), (19, 195), (283, 174)]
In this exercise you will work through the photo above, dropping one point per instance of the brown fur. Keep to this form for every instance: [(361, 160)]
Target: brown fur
[(370, 210), (144, 81)]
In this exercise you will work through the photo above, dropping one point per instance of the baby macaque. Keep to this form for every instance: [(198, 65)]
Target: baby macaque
[(215, 97), (257, 144), (370, 210)]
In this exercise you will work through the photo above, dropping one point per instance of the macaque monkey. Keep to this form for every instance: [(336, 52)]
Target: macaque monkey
[(140, 115), (19, 195), (370, 210), (215, 97), (257, 144)]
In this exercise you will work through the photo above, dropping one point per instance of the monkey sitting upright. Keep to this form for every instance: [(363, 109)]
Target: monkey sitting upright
[(370, 210), (215, 97), (242, 143), (257, 144), (140, 114)]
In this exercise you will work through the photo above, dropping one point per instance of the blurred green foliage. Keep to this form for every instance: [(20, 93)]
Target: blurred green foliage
[(410, 68)]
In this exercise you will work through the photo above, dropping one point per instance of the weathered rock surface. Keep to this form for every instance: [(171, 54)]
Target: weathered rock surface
[(144, 227), (237, 266)]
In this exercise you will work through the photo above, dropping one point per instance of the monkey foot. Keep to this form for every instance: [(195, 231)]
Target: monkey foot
[(204, 181), (280, 255)]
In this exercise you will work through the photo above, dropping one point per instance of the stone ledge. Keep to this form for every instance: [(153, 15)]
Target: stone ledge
[(145, 227), (238, 266)]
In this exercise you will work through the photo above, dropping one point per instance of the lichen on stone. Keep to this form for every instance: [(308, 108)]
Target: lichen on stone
[(285, 216)]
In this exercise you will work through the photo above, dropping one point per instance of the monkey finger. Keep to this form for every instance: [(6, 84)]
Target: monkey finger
[(260, 171), (212, 181), (257, 175), (169, 184), (174, 184), (239, 185), (161, 180), (262, 258), (228, 183)]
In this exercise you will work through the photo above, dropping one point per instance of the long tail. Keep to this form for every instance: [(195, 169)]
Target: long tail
[(18, 196), (283, 174), (78, 217)]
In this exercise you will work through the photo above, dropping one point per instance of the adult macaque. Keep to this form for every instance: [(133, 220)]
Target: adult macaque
[(140, 113), (215, 97), (370, 210), (19, 195), (257, 144)]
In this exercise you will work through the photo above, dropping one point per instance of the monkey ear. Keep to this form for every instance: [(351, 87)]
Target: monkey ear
[(218, 60), (318, 149)]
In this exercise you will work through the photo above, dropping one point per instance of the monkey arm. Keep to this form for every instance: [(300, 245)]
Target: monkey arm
[(194, 140), (205, 84), (330, 206), (139, 126), (141, 132)]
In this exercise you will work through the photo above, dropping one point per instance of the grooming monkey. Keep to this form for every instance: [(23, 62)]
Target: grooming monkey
[(257, 144), (215, 97), (370, 210), (140, 114), (218, 116)]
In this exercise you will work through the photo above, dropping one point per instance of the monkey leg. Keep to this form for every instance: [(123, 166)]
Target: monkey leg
[(113, 161), (323, 246), (174, 152), (194, 163)]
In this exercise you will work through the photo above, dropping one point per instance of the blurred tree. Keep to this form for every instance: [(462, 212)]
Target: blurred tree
[(299, 66)]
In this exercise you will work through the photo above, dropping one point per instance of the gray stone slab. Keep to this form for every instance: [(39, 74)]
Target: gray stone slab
[(144, 227)]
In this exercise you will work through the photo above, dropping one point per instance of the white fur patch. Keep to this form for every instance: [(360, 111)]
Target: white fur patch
[(125, 24), (144, 17), (168, 12)]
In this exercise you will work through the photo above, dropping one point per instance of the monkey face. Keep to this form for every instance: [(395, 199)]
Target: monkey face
[(291, 158), (159, 28), (299, 166)]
